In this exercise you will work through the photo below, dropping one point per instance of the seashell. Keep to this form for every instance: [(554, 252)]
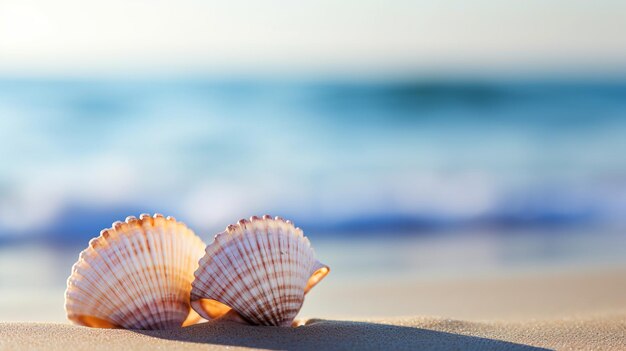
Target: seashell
[(135, 275), (256, 271)]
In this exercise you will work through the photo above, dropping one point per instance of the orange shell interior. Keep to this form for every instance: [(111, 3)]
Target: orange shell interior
[(215, 309), (95, 322)]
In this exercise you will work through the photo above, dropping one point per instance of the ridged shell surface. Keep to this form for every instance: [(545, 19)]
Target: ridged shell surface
[(260, 268), (135, 275)]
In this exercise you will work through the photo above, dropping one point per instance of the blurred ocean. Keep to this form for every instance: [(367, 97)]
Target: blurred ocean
[(351, 157), (436, 178)]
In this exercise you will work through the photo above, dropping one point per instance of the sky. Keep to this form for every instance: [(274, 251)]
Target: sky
[(77, 37)]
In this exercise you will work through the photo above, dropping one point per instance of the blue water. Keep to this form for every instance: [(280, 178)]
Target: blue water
[(348, 157)]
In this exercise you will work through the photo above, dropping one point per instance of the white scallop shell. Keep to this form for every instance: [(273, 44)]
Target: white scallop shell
[(260, 268), (135, 275)]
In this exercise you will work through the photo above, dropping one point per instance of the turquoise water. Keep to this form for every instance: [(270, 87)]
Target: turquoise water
[(365, 157), (393, 181)]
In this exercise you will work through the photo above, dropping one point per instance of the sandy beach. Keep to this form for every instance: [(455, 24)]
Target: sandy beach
[(608, 333), (322, 175), (565, 311)]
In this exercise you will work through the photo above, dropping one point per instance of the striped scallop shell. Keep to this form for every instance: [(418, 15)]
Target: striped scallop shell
[(260, 268), (135, 275)]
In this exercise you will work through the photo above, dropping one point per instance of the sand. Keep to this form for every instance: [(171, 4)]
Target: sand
[(606, 333), (571, 310), (511, 297)]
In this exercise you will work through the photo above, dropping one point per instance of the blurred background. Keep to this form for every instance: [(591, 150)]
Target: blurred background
[(411, 140)]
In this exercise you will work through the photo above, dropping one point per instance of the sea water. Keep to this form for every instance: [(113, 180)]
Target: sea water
[(391, 180)]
